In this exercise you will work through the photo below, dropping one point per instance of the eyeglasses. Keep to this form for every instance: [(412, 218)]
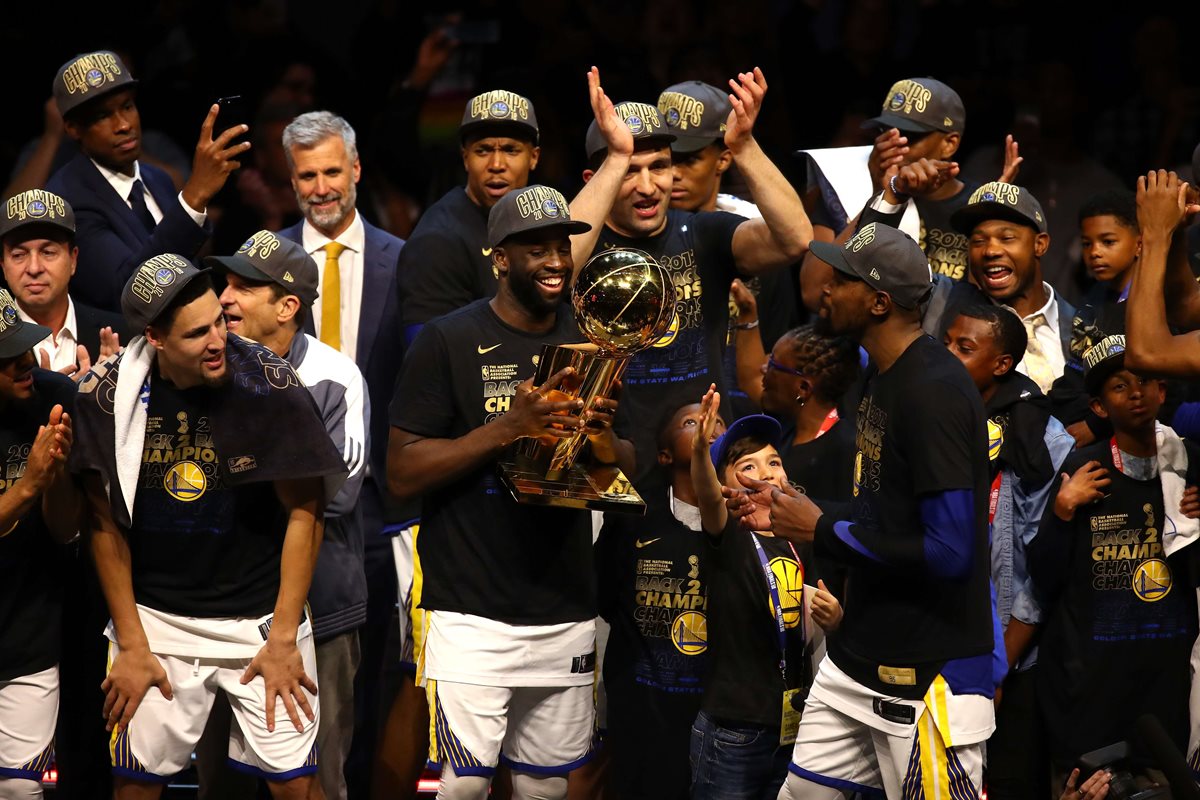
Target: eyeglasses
[(775, 365)]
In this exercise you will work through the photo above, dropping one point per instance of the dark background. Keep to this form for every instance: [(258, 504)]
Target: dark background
[(1093, 95)]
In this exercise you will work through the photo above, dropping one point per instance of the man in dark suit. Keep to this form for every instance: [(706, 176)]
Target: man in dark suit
[(127, 211), (357, 314)]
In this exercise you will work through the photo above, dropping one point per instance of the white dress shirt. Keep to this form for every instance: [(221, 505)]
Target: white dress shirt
[(61, 346), (350, 273), (1046, 331), (123, 185)]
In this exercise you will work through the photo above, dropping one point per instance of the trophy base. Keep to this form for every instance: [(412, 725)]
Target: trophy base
[(600, 488)]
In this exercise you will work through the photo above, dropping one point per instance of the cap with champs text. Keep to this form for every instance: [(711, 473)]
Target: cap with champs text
[(530, 209), (998, 200), (502, 111), (1101, 360), (267, 258), (152, 287), (88, 76), (696, 113), (643, 121), (17, 336), (886, 258), (36, 207), (921, 105)]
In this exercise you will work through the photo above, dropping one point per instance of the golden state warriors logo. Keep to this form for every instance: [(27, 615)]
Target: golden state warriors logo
[(94, 77), (995, 440), (498, 109), (10, 316), (668, 338), (36, 209), (689, 633), (185, 481), (550, 207), (789, 577), (1151, 580)]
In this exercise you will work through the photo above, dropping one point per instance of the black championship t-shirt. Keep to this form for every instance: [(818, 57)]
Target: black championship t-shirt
[(696, 248), (31, 591), (744, 683), (652, 592), (824, 467), (1122, 615), (200, 547), (920, 431), (446, 263), (481, 552), (945, 247)]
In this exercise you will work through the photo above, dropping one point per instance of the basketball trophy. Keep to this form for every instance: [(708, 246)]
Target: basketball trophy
[(624, 301)]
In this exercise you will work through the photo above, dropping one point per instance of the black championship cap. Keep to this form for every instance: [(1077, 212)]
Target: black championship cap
[(886, 258), (87, 77), (759, 426), (921, 105), (17, 336), (36, 207), (997, 200), (153, 286), (530, 209), (266, 258), (505, 113), (643, 121), (1101, 360), (696, 113)]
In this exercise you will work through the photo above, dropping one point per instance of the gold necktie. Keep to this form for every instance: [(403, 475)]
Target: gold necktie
[(1037, 366), (331, 297)]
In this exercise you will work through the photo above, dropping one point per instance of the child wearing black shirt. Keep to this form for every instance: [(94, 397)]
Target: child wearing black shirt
[(1111, 566), (761, 631)]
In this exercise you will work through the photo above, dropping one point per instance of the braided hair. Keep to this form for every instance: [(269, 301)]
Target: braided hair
[(831, 362)]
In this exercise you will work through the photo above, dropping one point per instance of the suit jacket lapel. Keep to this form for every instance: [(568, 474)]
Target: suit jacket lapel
[(377, 265), (103, 190)]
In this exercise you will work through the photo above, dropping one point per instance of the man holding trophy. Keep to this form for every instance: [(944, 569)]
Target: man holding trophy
[(509, 655)]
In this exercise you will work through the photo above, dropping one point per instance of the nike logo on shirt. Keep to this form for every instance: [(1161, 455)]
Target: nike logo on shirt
[(640, 544), (483, 349)]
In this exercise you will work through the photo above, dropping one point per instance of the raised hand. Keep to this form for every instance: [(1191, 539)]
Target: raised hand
[(924, 176), (616, 132), (748, 92), (213, 162), (888, 153), (1162, 203), (1012, 160), (710, 412)]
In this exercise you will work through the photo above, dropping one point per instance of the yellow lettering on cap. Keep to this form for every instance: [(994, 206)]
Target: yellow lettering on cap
[(261, 245), (907, 95), (638, 117), (89, 72), (35, 204), (153, 276), (864, 237), (542, 201), (499, 104), (996, 192), (689, 109)]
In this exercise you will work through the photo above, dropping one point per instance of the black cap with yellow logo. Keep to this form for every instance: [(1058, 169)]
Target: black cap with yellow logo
[(998, 200), (36, 207), (921, 105), (88, 76), (1101, 360), (267, 258), (643, 121), (696, 113), (152, 287), (17, 336), (886, 258), (499, 113), (530, 209)]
